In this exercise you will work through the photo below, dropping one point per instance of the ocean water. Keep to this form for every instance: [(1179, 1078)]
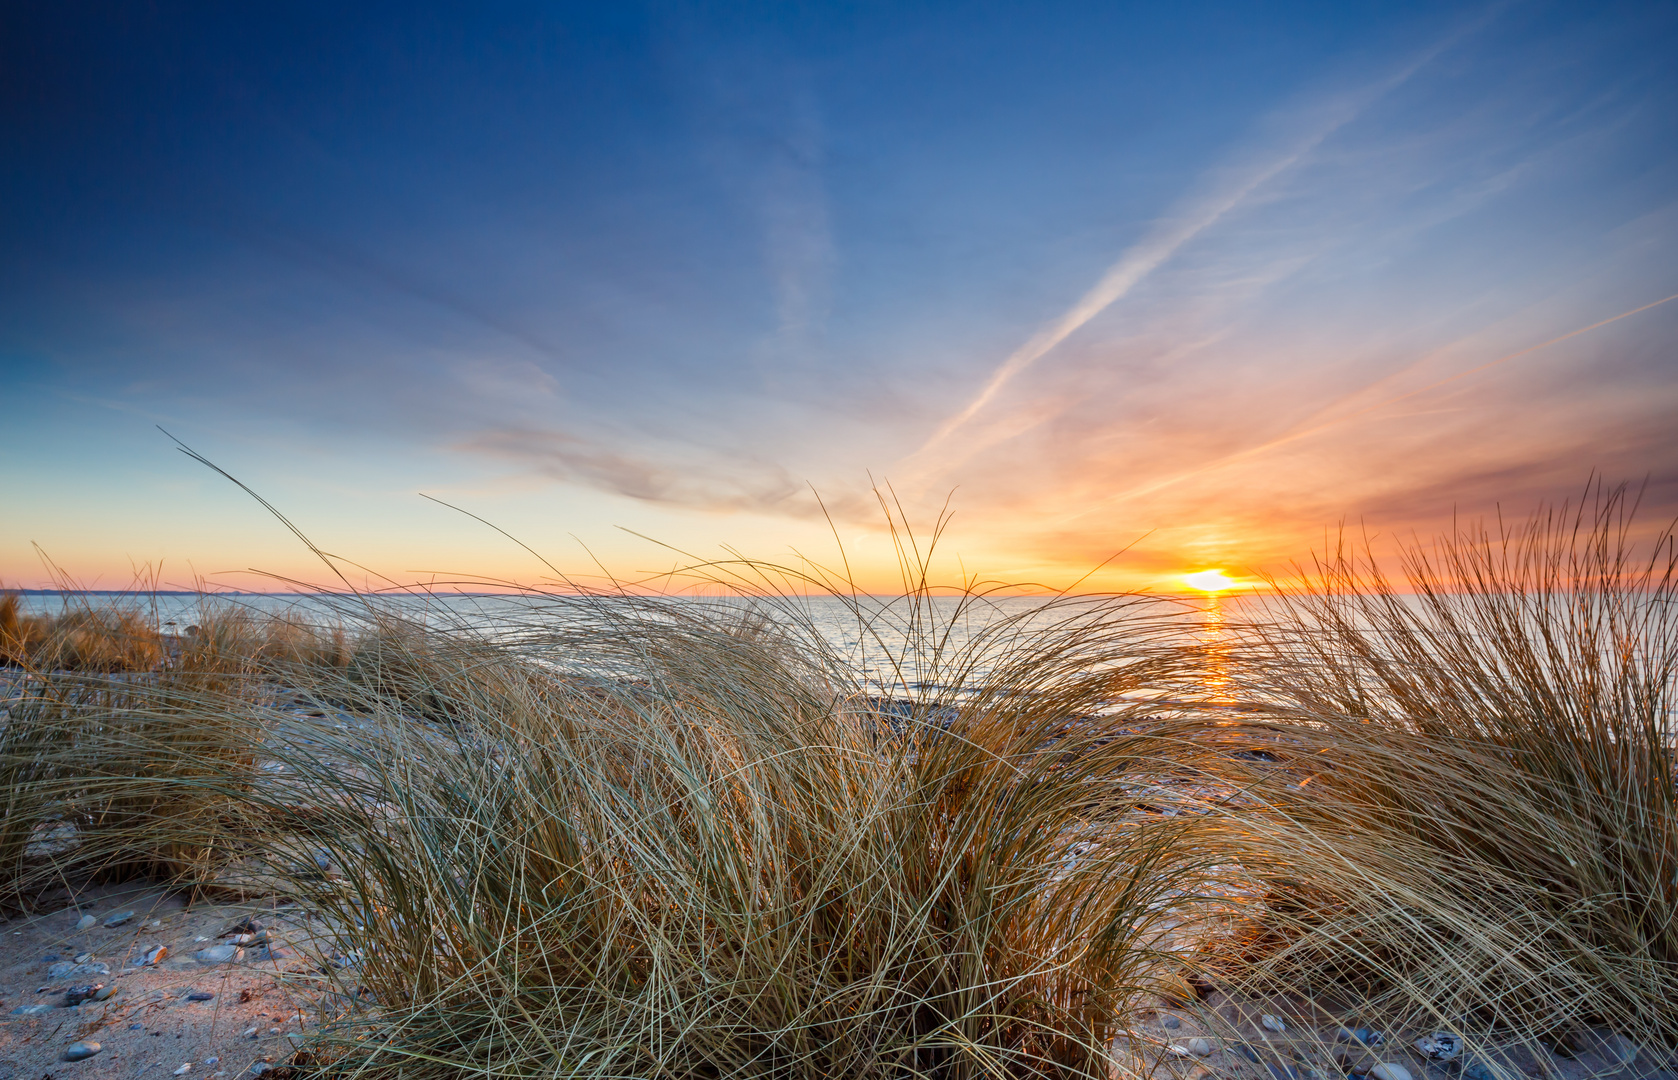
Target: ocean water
[(889, 642)]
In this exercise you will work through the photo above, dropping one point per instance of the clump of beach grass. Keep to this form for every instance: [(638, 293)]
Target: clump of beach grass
[(665, 839), (1470, 822)]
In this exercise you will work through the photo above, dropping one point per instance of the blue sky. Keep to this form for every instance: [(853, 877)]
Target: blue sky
[(1201, 279)]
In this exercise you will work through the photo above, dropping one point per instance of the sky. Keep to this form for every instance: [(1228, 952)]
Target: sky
[(1131, 289)]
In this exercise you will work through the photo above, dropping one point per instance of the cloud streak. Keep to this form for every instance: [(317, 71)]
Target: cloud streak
[(1225, 194)]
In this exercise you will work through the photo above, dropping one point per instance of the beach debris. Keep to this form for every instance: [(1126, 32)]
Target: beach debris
[(153, 956), (77, 1051), (1389, 1070), (118, 919), (219, 954), (1272, 1023), (66, 970), (33, 1010), (75, 995), (200, 995), (86, 922), (1439, 1046)]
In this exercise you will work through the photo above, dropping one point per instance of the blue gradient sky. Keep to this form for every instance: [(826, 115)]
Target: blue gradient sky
[(1204, 279)]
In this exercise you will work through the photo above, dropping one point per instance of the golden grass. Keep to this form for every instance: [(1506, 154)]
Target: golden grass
[(655, 838)]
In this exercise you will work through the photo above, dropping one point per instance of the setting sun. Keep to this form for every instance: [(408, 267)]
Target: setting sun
[(1209, 581)]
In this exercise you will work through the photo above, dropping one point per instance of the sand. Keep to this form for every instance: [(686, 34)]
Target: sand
[(149, 1027)]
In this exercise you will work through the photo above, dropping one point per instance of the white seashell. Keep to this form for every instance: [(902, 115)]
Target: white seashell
[(1272, 1023), (1389, 1070)]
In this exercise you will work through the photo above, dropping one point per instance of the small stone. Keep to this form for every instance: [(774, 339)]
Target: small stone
[(246, 925), (154, 956), (1170, 1021), (219, 954), (200, 995), (1199, 1047), (196, 940), (1439, 1046), (1283, 1072), (33, 1010), (79, 1050), (250, 1033), (185, 1068), (118, 919), (75, 995), (1246, 1051), (1389, 1070), (260, 1067), (273, 1031), (86, 922), (104, 993), (82, 958), (323, 858), (1272, 1023), (211, 1060)]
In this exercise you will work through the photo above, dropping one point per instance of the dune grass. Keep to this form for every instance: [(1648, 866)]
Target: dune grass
[(1476, 784), (642, 837)]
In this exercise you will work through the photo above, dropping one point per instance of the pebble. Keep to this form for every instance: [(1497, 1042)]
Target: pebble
[(260, 1067), (75, 995), (219, 954), (185, 1068), (1389, 1070), (211, 1060), (1440, 1046), (250, 1033), (104, 993), (323, 859), (86, 922), (1246, 1051), (82, 958), (154, 956), (49, 958), (1171, 1022), (79, 1050), (33, 1010), (1272, 1023), (136, 1027), (246, 925), (1199, 1047), (200, 995), (273, 1031), (118, 919), (1284, 1072)]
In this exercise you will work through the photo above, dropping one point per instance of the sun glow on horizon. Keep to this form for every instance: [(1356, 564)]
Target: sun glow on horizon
[(1211, 581)]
